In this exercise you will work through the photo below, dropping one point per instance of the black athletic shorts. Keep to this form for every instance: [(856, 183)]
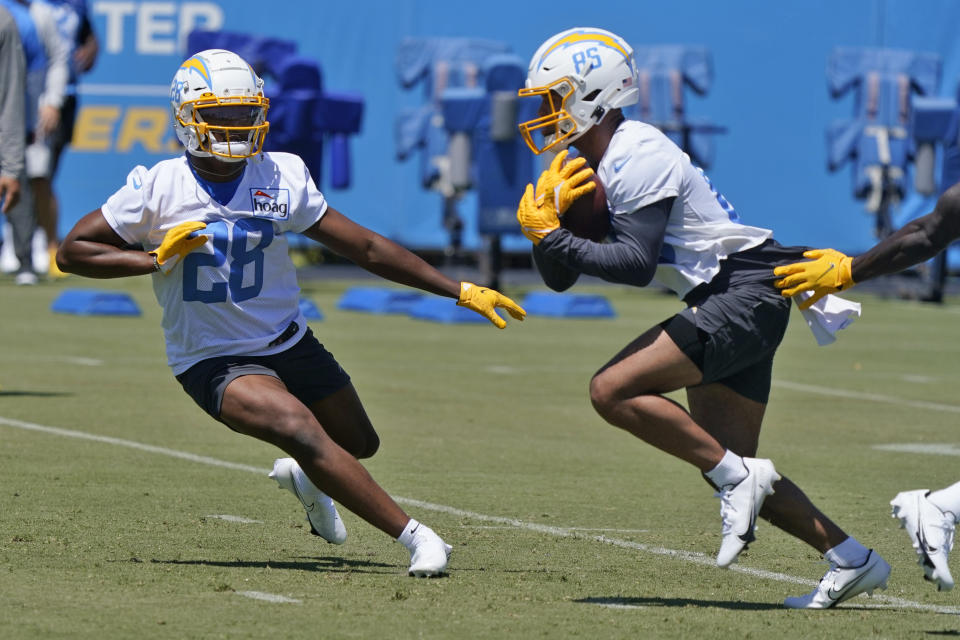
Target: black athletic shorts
[(733, 324), (309, 371)]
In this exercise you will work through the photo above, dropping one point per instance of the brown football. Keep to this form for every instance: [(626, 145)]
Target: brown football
[(588, 216)]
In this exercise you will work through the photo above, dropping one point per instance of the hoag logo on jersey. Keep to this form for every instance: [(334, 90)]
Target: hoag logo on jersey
[(270, 203)]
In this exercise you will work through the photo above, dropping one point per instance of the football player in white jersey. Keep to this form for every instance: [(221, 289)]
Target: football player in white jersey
[(209, 228), (930, 518), (670, 225)]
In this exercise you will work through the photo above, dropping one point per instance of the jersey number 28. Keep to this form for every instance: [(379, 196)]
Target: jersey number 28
[(228, 246)]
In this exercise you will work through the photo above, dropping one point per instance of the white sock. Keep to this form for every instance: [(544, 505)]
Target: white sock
[(406, 538), (947, 500), (849, 553), (729, 471)]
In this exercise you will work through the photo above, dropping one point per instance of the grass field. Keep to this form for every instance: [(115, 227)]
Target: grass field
[(126, 512)]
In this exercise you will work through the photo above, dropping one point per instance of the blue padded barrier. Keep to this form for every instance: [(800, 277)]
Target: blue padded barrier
[(504, 164), (445, 310), (93, 302), (567, 305), (310, 309), (439, 64), (933, 118), (664, 73), (377, 300), (462, 108), (878, 137)]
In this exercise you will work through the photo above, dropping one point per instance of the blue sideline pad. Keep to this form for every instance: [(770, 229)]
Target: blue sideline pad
[(310, 309), (376, 300), (439, 309), (567, 305), (93, 302)]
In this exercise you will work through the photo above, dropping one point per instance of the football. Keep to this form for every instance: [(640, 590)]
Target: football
[(588, 216)]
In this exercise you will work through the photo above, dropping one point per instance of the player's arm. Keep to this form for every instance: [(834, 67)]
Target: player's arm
[(379, 255), (389, 260), (555, 274), (915, 242), (85, 55), (631, 258), (830, 271), (93, 249)]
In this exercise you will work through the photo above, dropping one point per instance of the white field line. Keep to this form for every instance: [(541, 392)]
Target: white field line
[(86, 362), (926, 448), (561, 532), (81, 435), (868, 397), (229, 518), (603, 529), (268, 597)]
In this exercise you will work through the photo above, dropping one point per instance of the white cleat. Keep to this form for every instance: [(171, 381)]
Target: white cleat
[(931, 532), (26, 279), (430, 553), (739, 506), (321, 512), (8, 257), (842, 583)]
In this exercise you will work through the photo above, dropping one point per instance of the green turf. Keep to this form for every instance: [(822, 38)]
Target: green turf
[(99, 540)]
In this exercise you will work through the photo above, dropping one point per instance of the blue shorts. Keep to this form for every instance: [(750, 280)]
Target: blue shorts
[(734, 324), (309, 371)]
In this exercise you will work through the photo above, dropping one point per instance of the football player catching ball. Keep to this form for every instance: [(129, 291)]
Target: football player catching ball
[(670, 225)]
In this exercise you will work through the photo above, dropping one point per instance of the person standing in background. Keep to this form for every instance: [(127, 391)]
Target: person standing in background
[(12, 118), (76, 31), (15, 254)]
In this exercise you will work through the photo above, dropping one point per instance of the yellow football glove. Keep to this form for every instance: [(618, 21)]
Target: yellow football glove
[(535, 222), (177, 244), (565, 182), (828, 272), (484, 301), (539, 211)]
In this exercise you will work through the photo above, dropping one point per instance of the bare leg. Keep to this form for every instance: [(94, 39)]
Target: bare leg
[(735, 422), (345, 420), (626, 393), (261, 406)]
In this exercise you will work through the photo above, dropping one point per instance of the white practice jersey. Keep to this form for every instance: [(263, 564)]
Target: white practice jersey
[(642, 166), (238, 292)]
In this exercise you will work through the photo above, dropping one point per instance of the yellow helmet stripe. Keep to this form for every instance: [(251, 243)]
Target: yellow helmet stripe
[(587, 36), (197, 65)]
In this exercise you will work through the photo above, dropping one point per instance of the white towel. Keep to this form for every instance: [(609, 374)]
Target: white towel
[(828, 315)]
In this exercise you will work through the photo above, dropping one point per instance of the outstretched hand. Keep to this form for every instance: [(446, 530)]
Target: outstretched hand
[(484, 301), (829, 271), (178, 242)]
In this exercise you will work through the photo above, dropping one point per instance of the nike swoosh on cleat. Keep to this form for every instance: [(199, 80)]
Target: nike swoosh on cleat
[(747, 536), (836, 596), (296, 490), (922, 538)]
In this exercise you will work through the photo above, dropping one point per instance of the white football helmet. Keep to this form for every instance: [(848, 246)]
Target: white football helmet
[(218, 106), (580, 75)]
